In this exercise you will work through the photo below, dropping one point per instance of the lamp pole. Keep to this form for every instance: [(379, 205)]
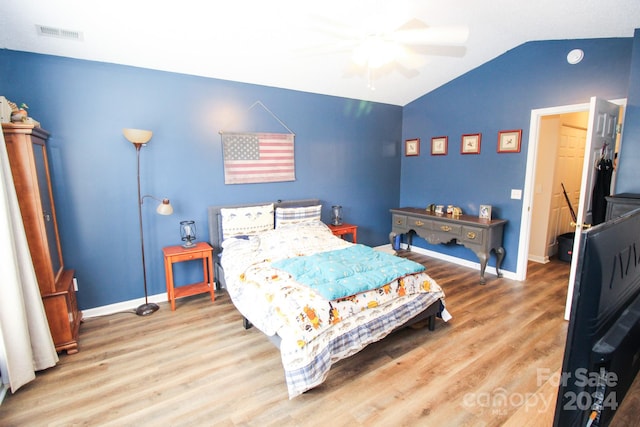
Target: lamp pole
[(146, 308), (139, 137)]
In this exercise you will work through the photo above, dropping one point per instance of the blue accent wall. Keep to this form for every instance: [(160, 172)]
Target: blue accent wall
[(497, 96), (347, 152), (629, 157)]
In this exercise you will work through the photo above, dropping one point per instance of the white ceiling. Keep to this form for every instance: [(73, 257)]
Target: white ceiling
[(278, 43)]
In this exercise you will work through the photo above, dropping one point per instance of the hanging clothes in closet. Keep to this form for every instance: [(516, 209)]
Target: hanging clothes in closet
[(602, 187)]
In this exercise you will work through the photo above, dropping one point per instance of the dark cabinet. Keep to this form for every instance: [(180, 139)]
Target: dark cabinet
[(620, 204)]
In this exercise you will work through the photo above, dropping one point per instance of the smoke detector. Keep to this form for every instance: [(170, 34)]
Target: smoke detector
[(575, 56)]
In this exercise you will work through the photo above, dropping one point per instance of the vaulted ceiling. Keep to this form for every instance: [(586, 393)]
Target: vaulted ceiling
[(304, 45)]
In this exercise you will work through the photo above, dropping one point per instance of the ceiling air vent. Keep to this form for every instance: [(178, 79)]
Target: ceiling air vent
[(46, 31)]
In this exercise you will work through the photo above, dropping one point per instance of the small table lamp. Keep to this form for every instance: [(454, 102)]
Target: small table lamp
[(336, 212), (188, 233)]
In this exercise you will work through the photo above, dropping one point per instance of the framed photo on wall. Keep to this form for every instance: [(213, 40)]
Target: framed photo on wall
[(509, 141), (470, 143), (439, 146), (412, 147)]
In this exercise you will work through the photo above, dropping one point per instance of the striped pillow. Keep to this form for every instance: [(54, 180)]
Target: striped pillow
[(287, 216)]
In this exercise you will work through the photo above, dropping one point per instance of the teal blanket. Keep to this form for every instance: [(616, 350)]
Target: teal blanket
[(344, 272)]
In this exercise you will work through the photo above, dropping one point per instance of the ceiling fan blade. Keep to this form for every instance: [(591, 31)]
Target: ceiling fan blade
[(410, 59), (332, 27), (455, 35), (354, 70), (327, 48), (450, 51), (408, 72)]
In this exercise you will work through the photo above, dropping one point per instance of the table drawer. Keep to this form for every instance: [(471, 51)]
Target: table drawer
[(473, 235), (399, 221), (187, 257), (416, 223), (448, 228)]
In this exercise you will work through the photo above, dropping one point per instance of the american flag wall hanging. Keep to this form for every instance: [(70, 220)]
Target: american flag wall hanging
[(258, 157)]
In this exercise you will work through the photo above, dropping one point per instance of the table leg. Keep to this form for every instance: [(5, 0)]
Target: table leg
[(483, 265), (211, 277), (168, 271), (392, 237), (499, 258)]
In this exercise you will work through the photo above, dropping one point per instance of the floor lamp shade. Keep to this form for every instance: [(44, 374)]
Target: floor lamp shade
[(137, 136)]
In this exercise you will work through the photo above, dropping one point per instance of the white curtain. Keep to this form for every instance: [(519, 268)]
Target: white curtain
[(26, 345)]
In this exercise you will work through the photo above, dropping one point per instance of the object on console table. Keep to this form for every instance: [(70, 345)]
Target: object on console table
[(480, 235), (342, 229)]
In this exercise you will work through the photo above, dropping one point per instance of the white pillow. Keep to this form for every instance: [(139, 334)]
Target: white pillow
[(287, 216), (246, 221)]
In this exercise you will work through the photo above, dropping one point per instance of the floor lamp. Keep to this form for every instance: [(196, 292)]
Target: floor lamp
[(139, 138)]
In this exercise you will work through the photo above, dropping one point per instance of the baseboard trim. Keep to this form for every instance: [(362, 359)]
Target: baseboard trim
[(454, 260), (539, 259), (122, 307)]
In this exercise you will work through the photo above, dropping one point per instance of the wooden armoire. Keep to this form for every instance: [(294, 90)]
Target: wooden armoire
[(26, 146)]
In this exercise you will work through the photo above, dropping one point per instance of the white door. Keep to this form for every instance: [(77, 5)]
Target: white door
[(569, 173), (601, 133)]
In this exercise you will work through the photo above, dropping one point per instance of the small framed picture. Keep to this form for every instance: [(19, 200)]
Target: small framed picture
[(412, 147), (470, 143), (509, 141), (439, 145), (485, 211)]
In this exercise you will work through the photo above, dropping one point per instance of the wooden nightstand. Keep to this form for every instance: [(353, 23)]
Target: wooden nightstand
[(200, 250), (341, 230)]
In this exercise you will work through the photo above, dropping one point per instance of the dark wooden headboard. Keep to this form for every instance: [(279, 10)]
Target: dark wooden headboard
[(215, 225)]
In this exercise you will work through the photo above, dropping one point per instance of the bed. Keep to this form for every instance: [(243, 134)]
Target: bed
[(310, 292)]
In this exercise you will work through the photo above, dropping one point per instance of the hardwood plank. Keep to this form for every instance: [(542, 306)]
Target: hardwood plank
[(198, 366)]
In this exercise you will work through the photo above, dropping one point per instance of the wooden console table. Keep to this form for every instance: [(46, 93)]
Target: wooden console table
[(480, 235)]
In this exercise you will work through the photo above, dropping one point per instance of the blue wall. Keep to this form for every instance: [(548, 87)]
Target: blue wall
[(500, 95), (629, 158), (347, 152)]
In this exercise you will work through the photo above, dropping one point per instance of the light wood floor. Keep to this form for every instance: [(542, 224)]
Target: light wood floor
[(198, 366)]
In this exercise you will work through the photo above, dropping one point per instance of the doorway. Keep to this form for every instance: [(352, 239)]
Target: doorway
[(560, 158), (535, 161)]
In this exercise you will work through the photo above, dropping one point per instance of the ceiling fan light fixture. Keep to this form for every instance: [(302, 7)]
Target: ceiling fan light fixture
[(375, 52)]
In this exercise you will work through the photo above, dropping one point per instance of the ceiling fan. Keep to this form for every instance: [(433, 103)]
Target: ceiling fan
[(377, 50)]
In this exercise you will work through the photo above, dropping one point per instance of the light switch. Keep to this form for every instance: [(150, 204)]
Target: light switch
[(516, 194)]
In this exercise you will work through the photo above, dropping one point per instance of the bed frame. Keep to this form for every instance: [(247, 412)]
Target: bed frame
[(215, 238)]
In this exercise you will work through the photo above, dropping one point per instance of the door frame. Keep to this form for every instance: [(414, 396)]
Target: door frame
[(529, 180)]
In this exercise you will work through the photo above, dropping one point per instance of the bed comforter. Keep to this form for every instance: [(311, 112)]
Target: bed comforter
[(315, 331)]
